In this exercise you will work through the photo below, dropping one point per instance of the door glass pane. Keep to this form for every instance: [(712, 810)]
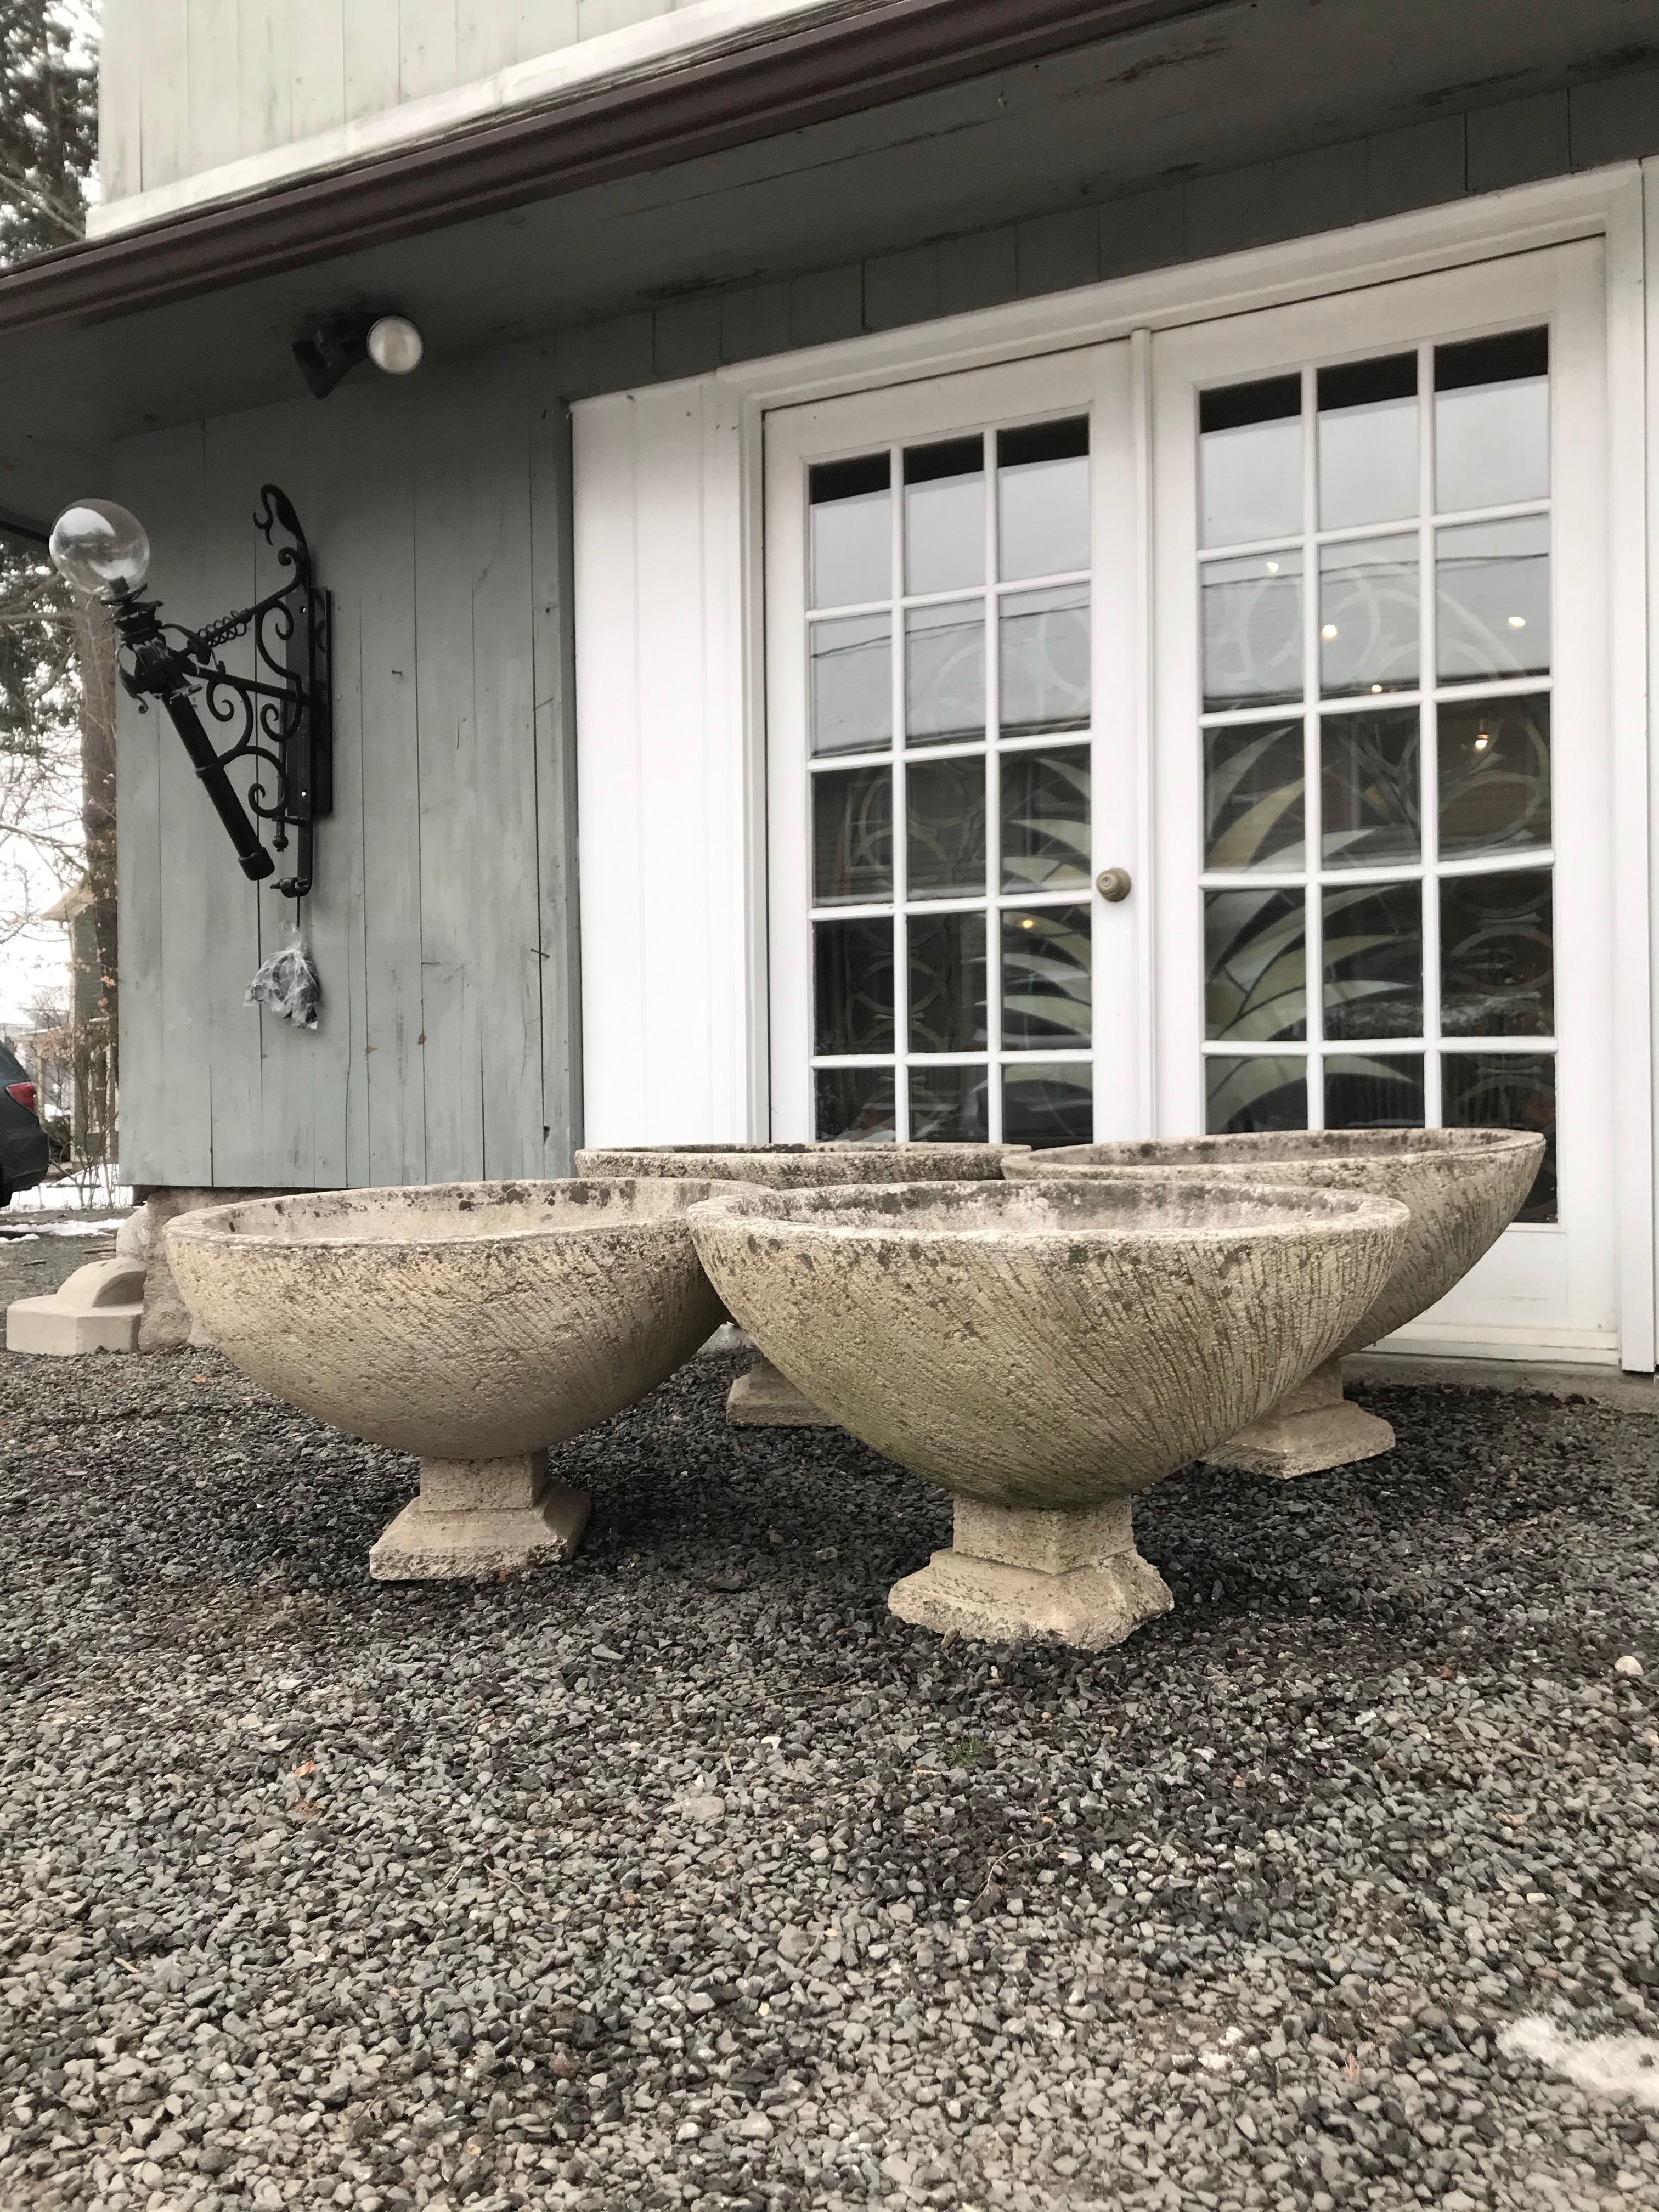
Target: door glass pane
[(1047, 989), (1367, 442), (1368, 615), (947, 982), (853, 967), (1497, 973), (1494, 584), (1262, 1091), (1494, 775), (851, 532), (1254, 787), (1373, 948), (944, 672), (948, 1105), (946, 802), (945, 515), (852, 684), (1252, 617), (1374, 1092), (1045, 820), (1043, 499), (1045, 660), (1506, 1090), (1369, 767), (852, 837), (853, 1104), (1249, 462), (1256, 965), (1492, 420), (1045, 1104)]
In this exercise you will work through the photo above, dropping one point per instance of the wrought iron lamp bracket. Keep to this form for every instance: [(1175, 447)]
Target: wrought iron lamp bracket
[(281, 718)]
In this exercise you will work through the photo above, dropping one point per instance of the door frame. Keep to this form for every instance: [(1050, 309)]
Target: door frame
[(728, 567)]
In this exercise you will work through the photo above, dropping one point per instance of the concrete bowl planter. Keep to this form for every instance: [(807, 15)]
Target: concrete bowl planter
[(1461, 1188), (1044, 1350), (473, 1324), (764, 1397)]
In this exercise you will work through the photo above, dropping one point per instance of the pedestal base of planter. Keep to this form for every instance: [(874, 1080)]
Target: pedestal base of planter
[(1311, 1428), (1014, 1574), (481, 1517), (763, 1399)]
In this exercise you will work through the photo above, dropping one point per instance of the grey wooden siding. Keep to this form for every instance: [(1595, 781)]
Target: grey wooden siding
[(443, 922), (1293, 196), (188, 85)]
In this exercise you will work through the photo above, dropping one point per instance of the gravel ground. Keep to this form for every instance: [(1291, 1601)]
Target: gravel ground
[(685, 1875), (34, 1260)]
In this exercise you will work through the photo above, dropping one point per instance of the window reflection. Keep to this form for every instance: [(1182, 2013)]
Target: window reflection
[(852, 684), (1263, 1091), (1367, 442), (1493, 580), (1368, 620), (1492, 420), (945, 515), (1250, 461), (850, 531), (852, 837), (1043, 499), (1252, 621)]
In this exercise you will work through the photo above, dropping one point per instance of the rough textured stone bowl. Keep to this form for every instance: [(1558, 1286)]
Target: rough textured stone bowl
[(474, 1324), (1461, 1188), (762, 1398), (1044, 1350)]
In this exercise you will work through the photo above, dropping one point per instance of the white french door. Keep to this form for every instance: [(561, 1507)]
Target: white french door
[(953, 758), (1383, 747), (1307, 635)]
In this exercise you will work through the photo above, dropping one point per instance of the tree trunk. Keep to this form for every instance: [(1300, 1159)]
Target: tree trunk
[(99, 992)]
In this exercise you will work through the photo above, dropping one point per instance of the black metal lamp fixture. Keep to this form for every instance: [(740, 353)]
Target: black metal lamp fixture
[(283, 715), (335, 343)]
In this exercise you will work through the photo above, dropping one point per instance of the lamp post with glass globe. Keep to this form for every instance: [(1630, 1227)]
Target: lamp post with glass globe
[(281, 714)]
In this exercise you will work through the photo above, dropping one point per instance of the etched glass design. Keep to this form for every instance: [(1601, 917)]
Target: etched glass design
[(946, 803), (852, 837), (1045, 820), (852, 684), (1369, 775), (952, 901), (1252, 617), (1379, 879), (944, 672), (1045, 661)]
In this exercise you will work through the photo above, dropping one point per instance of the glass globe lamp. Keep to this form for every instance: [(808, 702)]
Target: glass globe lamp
[(100, 547), (395, 346)]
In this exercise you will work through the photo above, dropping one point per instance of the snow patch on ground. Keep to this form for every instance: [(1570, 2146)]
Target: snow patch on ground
[(1608, 2065)]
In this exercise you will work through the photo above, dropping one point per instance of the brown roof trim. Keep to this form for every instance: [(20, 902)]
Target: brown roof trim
[(751, 87)]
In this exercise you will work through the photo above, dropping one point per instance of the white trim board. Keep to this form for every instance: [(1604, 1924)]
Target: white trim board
[(708, 559)]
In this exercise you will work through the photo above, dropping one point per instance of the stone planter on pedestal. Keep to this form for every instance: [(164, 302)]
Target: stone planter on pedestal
[(1461, 1188), (474, 1324), (1044, 1350), (764, 1397)]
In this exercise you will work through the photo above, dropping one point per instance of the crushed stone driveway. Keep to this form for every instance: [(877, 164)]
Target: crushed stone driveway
[(685, 1875)]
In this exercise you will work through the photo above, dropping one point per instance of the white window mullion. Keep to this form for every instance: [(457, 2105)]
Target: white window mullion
[(1428, 740), (900, 815), (993, 1120)]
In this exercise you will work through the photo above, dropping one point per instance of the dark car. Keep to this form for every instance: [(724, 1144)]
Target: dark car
[(24, 1151)]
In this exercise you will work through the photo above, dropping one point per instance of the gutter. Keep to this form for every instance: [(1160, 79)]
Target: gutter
[(839, 61)]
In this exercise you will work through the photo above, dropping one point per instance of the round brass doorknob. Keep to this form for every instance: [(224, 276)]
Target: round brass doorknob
[(1113, 883)]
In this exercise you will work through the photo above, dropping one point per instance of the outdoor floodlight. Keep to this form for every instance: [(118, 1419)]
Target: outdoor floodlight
[(338, 342), (283, 713)]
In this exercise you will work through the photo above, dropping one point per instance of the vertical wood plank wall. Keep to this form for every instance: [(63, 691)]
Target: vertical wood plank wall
[(443, 922), (189, 84)]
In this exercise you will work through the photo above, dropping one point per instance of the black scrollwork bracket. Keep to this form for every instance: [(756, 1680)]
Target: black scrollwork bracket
[(280, 718)]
